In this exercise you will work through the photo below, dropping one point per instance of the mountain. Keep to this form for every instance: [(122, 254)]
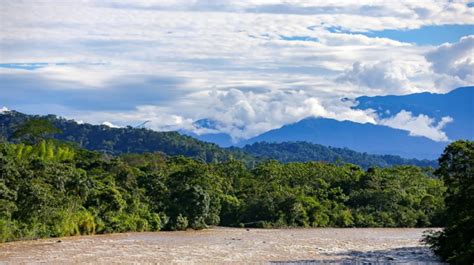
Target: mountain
[(121, 140), (303, 152), (139, 140), (221, 139), (212, 135), (376, 139), (457, 104), (366, 137)]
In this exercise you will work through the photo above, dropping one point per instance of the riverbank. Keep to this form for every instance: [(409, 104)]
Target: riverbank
[(223, 245)]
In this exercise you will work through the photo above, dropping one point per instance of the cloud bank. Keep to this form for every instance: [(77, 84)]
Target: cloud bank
[(454, 59), (252, 65), (420, 125)]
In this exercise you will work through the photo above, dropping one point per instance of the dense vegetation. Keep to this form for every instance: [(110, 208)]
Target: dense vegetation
[(455, 244), (51, 188), (304, 151), (116, 141)]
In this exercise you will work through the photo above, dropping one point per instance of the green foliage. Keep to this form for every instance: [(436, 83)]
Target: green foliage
[(46, 150), (20, 127), (398, 196), (116, 141), (33, 130), (52, 189), (455, 244), (304, 152), (181, 223)]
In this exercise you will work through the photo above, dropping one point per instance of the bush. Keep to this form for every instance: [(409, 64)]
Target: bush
[(7, 230), (181, 223), (86, 223)]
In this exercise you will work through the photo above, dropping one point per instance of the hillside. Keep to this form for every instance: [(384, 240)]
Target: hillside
[(139, 140), (366, 137), (121, 140), (304, 152), (457, 104)]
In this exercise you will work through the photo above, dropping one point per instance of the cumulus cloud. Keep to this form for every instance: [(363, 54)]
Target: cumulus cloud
[(241, 114), (454, 59), (246, 114), (239, 62), (421, 125), (385, 76)]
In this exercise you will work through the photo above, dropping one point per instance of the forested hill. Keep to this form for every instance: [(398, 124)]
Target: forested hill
[(140, 140), (304, 152), (120, 140)]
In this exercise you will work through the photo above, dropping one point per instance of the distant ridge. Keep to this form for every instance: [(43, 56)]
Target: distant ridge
[(366, 137), (121, 140), (458, 104), (303, 152), (139, 140)]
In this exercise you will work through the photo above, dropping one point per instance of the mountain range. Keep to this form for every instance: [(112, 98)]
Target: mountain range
[(317, 138), (117, 141), (458, 105), (374, 139)]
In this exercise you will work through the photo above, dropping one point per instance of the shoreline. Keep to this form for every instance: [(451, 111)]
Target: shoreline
[(212, 228)]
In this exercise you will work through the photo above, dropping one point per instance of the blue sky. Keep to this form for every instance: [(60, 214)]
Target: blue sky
[(251, 65), (425, 35)]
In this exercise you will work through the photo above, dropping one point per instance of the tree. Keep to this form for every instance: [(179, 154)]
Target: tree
[(34, 130), (455, 244), (53, 189)]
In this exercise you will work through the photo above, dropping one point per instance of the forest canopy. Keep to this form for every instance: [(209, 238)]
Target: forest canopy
[(55, 189)]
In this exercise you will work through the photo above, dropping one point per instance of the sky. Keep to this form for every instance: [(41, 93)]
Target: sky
[(250, 65)]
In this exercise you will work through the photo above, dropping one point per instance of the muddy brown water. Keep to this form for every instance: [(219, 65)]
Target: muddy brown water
[(229, 245)]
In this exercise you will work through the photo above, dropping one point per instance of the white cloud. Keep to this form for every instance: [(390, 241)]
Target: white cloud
[(376, 14), (4, 109), (109, 124), (421, 125), (246, 114), (152, 117), (233, 61), (238, 113), (454, 59), (384, 76)]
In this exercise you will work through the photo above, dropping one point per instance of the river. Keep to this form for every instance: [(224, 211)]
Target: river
[(224, 245)]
